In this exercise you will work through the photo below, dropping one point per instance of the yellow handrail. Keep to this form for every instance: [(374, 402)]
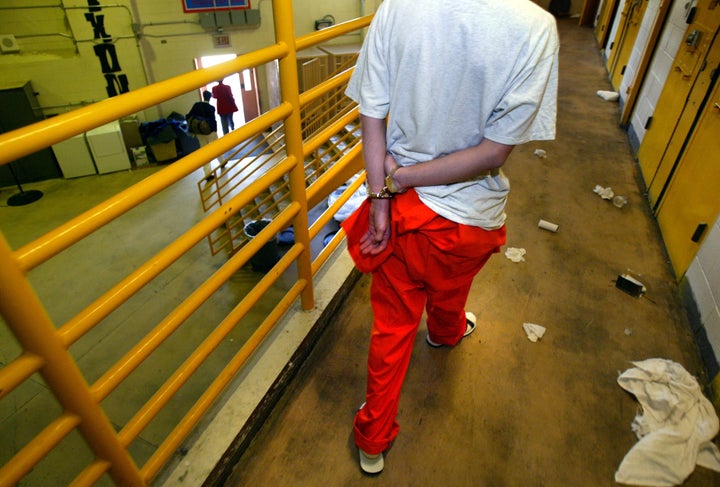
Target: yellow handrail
[(26, 140), (59, 239), (32, 327)]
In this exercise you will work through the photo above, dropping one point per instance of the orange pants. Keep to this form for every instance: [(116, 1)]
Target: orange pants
[(432, 266)]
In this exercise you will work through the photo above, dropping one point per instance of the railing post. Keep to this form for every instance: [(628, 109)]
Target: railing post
[(26, 317), (289, 90)]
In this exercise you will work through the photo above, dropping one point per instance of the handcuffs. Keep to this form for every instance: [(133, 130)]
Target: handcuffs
[(389, 189)]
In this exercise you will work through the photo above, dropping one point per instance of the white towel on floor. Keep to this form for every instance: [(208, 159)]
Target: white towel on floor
[(675, 426)]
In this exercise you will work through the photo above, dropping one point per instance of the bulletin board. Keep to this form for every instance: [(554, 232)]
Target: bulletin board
[(210, 5)]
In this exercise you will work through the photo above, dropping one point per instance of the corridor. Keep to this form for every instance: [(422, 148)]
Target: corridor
[(498, 409)]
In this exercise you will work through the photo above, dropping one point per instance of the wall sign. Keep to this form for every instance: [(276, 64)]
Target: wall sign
[(210, 5), (221, 40)]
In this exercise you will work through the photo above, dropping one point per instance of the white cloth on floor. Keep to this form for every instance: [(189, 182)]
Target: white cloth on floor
[(674, 427)]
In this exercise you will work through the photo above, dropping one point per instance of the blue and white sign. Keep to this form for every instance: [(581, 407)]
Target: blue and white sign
[(210, 5)]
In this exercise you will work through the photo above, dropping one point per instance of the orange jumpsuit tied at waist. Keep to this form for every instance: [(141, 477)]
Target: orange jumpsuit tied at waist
[(429, 264)]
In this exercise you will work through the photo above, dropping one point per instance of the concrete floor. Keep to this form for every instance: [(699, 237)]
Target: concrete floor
[(498, 409)]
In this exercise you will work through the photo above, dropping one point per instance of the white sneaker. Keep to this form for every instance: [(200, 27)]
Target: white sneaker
[(371, 463), (471, 322)]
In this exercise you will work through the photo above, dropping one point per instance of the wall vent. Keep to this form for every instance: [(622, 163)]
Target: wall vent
[(8, 44)]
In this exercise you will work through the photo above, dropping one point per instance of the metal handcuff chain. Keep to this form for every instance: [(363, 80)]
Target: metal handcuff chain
[(389, 189)]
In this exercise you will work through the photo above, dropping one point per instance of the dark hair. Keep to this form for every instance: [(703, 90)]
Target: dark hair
[(207, 95)]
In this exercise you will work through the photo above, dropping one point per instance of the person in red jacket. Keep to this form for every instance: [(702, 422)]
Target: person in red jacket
[(225, 106)]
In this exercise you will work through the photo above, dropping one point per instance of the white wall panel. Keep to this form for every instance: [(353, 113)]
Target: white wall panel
[(712, 329), (703, 276), (670, 40)]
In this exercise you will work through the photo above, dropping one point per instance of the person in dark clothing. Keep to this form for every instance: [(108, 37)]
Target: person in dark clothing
[(202, 124), (204, 110)]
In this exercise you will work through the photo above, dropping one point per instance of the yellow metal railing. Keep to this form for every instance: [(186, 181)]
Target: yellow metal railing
[(46, 345)]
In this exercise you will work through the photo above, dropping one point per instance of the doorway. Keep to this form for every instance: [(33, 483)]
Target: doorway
[(243, 86)]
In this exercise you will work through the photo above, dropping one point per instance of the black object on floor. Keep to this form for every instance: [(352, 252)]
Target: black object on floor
[(23, 197)]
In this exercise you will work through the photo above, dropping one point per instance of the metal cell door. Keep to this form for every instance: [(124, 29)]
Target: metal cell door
[(627, 33), (684, 89), (692, 202), (605, 18)]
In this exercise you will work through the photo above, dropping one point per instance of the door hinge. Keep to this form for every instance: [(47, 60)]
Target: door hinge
[(622, 71), (648, 122)]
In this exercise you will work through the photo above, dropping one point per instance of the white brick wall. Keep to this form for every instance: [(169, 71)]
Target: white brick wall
[(704, 279), (670, 40)]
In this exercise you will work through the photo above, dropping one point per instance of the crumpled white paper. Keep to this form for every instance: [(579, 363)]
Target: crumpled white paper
[(515, 254), (540, 153), (534, 332), (608, 95), (605, 193)]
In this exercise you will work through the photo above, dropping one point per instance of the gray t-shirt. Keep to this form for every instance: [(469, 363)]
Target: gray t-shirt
[(449, 73)]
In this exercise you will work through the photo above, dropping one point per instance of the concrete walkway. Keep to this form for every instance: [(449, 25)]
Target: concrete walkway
[(498, 409)]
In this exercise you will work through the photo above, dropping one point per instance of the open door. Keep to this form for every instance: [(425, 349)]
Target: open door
[(589, 12), (605, 19), (232, 80), (243, 86), (624, 41), (250, 98), (640, 71)]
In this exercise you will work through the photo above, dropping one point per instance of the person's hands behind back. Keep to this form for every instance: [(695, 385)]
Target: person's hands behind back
[(377, 236)]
